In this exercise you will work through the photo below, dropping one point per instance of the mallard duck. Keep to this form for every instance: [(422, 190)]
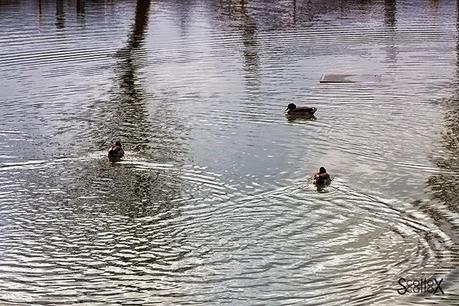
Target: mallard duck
[(303, 111), (116, 152), (322, 178)]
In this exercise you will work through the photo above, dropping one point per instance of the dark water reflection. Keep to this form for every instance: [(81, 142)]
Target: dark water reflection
[(444, 185), (60, 14), (80, 7), (213, 202)]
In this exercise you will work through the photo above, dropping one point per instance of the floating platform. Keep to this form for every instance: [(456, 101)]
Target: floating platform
[(350, 78)]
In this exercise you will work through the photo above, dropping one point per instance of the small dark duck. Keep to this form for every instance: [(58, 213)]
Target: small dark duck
[(322, 178), (303, 111), (116, 152)]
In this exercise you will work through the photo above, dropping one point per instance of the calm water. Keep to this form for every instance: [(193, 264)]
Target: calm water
[(213, 202)]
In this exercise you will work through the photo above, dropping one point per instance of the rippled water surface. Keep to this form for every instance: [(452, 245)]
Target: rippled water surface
[(213, 202)]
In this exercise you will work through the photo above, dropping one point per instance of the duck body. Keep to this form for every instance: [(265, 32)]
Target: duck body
[(322, 178), (116, 152), (303, 111)]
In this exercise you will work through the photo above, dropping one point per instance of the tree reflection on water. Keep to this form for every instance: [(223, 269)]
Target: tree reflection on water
[(133, 187), (132, 122), (445, 185)]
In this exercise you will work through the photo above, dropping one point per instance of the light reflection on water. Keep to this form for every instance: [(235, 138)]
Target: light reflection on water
[(213, 202)]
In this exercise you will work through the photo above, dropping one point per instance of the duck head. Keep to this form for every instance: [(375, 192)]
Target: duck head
[(322, 170), (290, 106)]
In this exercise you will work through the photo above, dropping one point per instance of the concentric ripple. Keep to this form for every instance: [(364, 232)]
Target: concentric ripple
[(105, 233)]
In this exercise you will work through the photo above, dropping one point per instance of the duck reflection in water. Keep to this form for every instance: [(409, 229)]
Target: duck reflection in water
[(116, 152), (322, 178)]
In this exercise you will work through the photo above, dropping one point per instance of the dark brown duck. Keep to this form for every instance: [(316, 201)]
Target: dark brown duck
[(305, 111), (116, 152)]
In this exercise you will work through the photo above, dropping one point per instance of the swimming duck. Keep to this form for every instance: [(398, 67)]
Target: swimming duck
[(303, 111), (116, 152), (322, 178)]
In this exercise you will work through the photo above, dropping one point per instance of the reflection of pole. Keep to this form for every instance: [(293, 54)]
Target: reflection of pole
[(141, 20), (294, 11), (39, 11), (250, 52), (60, 18), (309, 8), (390, 9), (390, 20), (80, 7)]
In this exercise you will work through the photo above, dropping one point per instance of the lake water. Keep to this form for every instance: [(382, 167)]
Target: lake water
[(213, 202)]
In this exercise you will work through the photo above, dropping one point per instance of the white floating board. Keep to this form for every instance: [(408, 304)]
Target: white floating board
[(349, 78)]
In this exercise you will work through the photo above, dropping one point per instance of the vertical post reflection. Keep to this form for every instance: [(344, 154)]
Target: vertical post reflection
[(60, 14), (130, 108), (390, 20), (249, 31), (294, 11), (250, 51), (80, 6), (141, 21), (310, 11), (40, 12), (390, 9)]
